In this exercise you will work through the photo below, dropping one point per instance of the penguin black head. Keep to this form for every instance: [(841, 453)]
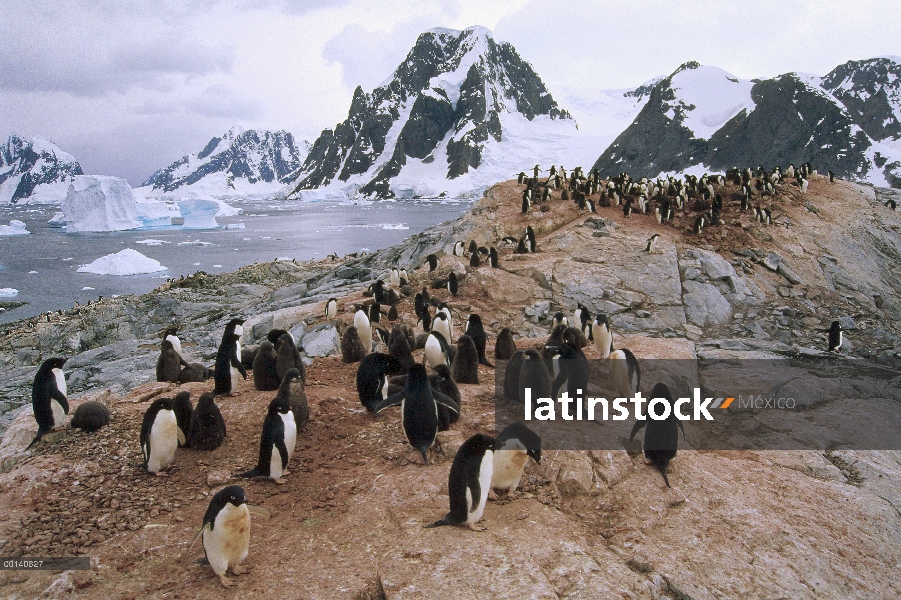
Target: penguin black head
[(52, 363), (530, 440), (233, 494), (171, 330), (279, 405), (662, 391), (475, 320), (236, 321)]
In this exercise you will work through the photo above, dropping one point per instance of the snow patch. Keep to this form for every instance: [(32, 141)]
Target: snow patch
[(124, 262), (710, 97)]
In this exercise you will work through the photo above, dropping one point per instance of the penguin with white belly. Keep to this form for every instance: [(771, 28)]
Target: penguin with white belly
[(273, 458), (159, 436), (512, 450), (469, 482), (48, 397)]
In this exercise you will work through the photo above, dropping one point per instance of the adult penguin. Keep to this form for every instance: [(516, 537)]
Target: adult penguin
[(364, 329), (48, 397), (331, 309), (625, 373), (226, 531), (661, 436), (288, 358), (512, 449), (159, 436), (228, 365), (372, 378), (419, 409), (476, 331), (264, 376), (169, 363), (273, 457), (469, 482), (293, 390), (440, 381), (207, 429), (493, 258), (603, 336), (432, 259)]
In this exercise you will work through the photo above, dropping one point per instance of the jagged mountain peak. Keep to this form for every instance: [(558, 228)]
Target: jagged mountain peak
[(37, 164), (870, 90), (437, 116), (231, 162)]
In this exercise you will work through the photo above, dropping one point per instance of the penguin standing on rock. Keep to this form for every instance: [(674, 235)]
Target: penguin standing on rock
[(159, 436), (331, 309), (48, 397), (352, 349), (835, 336), (493, 258), (512, 449), (273, 458), (207, 429), (432, 259), (465, 365), (469, 482), (169, 334), (661, 437), (603, 336), (226, 532), (228, 359), (419, 409)]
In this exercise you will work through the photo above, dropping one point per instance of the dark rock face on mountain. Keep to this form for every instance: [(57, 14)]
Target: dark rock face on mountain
[(445, 103), (256, 156), (32, 164), (792, 123), (870, 90), (834, 123)]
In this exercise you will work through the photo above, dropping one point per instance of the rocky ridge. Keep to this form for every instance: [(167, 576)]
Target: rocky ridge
[(748, 523), (26, 165)]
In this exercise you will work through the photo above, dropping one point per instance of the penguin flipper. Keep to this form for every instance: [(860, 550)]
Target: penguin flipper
[(61, 398), (475, 488), (484, 361), (236, 363), (390, 401), (636, 428), (283, 451), (444, 401), (36, 439), (662, 468)]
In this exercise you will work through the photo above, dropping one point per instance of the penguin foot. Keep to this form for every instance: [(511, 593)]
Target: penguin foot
[(477, 527), (224, 581), (285, 472), (161, 474), (239, 570), (281, 481), (493, 496)]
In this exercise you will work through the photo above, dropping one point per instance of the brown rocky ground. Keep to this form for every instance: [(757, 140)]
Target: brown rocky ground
[(595, 524)]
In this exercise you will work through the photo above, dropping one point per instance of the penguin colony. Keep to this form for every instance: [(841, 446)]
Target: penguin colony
[(427, 393)]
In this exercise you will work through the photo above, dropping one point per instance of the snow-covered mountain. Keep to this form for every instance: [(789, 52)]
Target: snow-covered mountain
[(847, 121), (237, 163), (460, 112), (36, 171)]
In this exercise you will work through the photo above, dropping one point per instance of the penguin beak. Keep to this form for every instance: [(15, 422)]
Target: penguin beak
[(258, 510)]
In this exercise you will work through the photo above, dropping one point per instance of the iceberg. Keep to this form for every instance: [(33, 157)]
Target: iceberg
[(99, 203), (199, 213), (8, 292), (14, 228), (151, 213), (124, 262), (57, 220)]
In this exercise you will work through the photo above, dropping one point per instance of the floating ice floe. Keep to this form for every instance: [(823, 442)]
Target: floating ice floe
[(8, 292), (199, 213), (86, 288), (57, 220), (195, 243), (14, 228), (124, 262), (99, 203), (233, 226), (152, 242)]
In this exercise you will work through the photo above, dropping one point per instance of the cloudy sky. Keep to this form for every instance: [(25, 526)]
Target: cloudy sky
[(129, 87)]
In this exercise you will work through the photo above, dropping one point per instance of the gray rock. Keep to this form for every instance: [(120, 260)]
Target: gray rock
[(790, 274), (348, 272), (322, 341), (539, 310), (847, 323), (692, 273), (772, 261), (705, 305), (298, 331)]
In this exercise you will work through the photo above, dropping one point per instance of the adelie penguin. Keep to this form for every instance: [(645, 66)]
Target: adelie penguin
[(159, 436), (228, 359), (48, 397), (651, 241), (170, 334), (559, 319), (169, 364), (625, 373), (835, 336), (226, 532), (419, 409), (372, 378), (207, 429), (661, 437), (465, 365), (493, 258), (437, 351), (432, 260), (364, 329), (603, 336), (459, 248), (264, 376), (294, 390), (476, 331), (505, 345), (474, 260), (331, 309), (183, 409), (534, 375), (90, 416), (453, 286), (469, 482), (273, 458), (512, 449)]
